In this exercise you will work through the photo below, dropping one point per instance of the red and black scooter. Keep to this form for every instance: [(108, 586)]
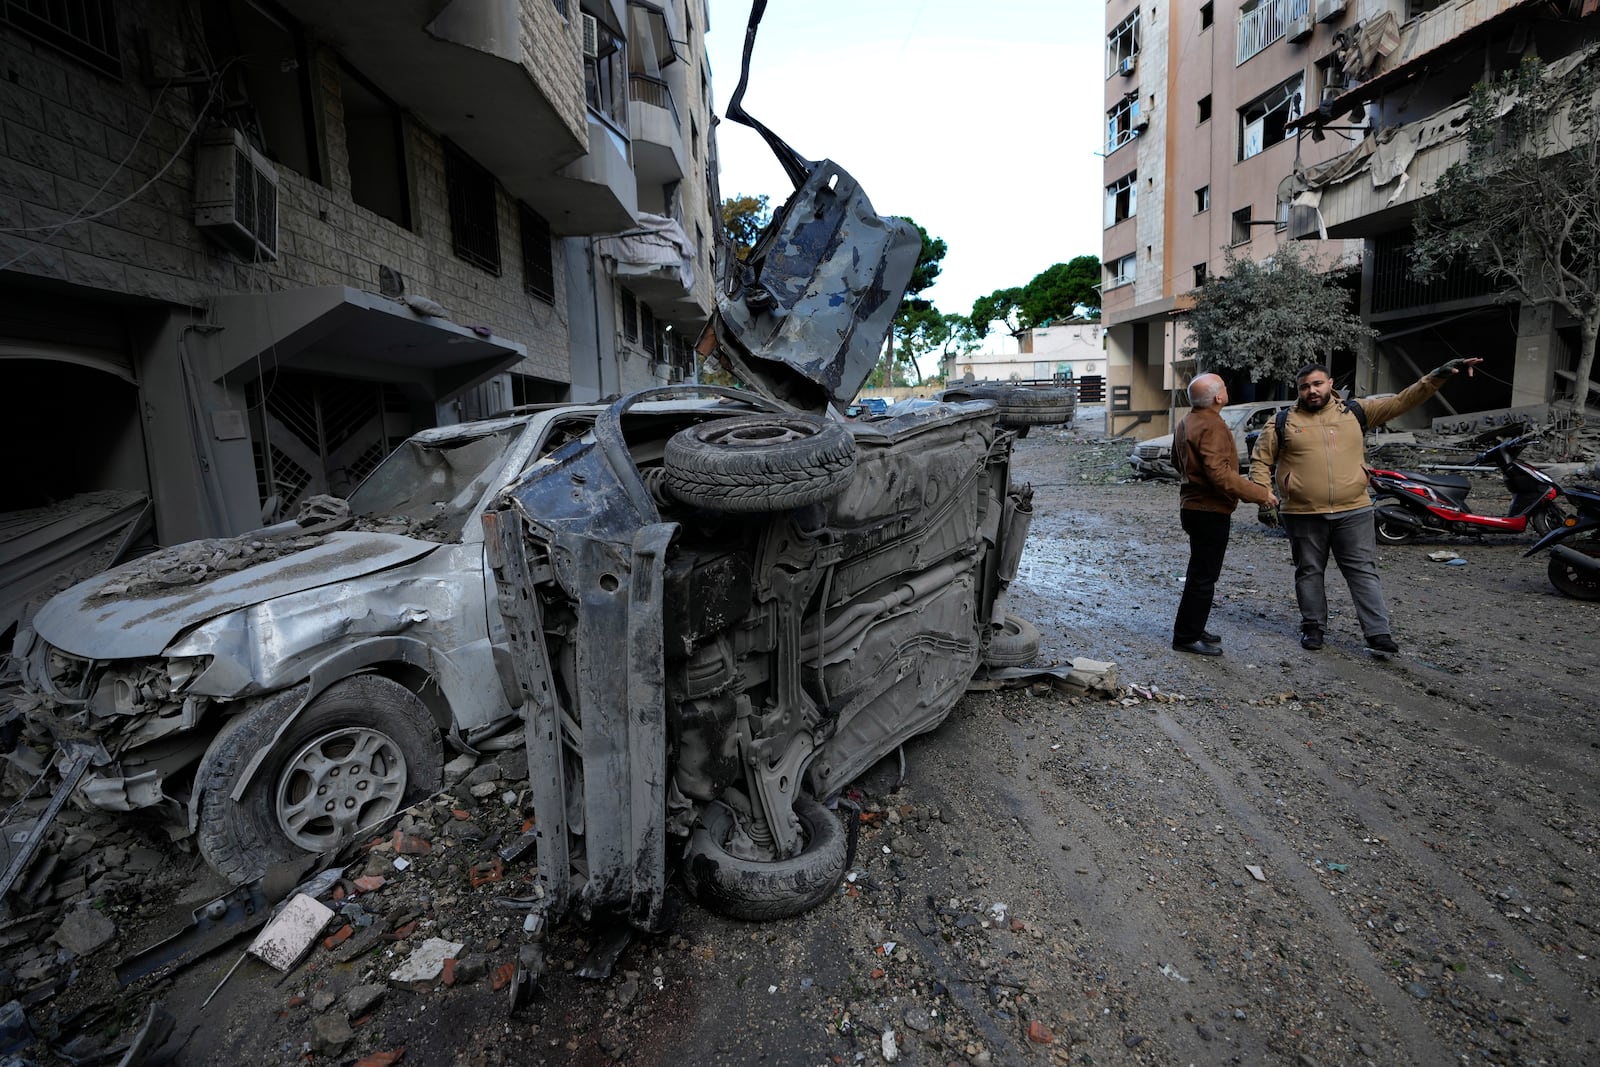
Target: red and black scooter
[(1410, 504)]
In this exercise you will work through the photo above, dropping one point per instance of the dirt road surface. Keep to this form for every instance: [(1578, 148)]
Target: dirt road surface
[(1271, 857)]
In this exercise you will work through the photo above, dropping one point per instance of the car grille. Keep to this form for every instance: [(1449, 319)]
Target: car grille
[(1150, 451)]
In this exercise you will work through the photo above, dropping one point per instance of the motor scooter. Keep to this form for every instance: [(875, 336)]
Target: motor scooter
[(1575, 545), (1412, 503)]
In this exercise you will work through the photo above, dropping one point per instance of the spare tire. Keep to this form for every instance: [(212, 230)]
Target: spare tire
[(1023, 406), (756, 463), (758, 890), (1014, 643)]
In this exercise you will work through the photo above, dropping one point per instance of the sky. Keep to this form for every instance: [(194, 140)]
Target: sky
[(981, 121)]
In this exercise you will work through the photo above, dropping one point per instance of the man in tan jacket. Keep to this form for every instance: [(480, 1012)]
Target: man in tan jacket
[(1207, 459), (1322, 477)]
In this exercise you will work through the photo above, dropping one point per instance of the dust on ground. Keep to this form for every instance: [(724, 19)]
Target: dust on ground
[(1272, 857)]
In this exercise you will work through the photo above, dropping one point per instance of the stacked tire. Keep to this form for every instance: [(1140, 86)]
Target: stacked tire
[(1021, 406)]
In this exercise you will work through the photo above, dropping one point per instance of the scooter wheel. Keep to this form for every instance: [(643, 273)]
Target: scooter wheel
[(1394, 533), (1575, 582)]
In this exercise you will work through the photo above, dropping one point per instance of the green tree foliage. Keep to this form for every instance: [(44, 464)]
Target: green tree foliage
[(1269, 319), (1523, 206), (744, 217), (1055, 294), (918, 325)]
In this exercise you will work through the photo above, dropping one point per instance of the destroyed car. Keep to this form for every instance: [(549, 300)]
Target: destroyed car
[(1153, 458), (708, 609)]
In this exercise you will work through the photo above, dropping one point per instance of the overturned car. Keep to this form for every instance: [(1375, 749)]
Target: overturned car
[(705, 609)]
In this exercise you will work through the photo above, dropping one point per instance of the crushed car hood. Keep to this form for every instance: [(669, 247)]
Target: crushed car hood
[(120, 615)]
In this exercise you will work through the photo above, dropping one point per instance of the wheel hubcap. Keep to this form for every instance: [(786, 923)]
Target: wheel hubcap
[(338, 783)]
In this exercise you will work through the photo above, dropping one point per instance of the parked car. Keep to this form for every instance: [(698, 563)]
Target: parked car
[(1153, 458), (709, 609)]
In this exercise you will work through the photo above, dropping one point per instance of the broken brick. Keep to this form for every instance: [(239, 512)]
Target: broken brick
[(489, 871), (1040, 1034), (400, 933), (370, 883), (448, 974), (295, 1002), (877, 972), (339, 936), (503, 975), (1017, 926), (382, 1059), (410, 845), (460, 814)]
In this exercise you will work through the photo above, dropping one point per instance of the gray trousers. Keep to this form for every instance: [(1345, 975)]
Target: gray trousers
[(1350, 535)]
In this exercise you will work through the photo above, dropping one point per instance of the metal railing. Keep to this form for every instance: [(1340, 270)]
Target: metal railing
[(647, 90), (1267, 23)]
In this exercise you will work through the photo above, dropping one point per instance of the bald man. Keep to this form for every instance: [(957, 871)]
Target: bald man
[(1207, 459)]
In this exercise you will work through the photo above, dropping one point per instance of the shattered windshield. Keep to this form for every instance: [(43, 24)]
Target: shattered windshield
[(438, 482)]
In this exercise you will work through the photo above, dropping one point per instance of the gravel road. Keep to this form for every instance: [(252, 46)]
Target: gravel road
[(1272, 857)]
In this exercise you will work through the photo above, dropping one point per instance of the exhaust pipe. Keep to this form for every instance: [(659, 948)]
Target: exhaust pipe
[(1397, 514), (1579, 561)]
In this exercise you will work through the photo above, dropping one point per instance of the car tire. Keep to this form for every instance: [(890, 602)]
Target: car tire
[(1391, 532), (366, 744), (758, 890), (1020, 406), (759, 463), (1014, 643), (1572, 581)]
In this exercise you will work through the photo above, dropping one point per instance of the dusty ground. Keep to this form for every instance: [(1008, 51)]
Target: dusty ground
[(1275, 857)]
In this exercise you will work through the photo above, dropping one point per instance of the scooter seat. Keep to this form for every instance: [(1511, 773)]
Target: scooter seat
[(1440, 481)]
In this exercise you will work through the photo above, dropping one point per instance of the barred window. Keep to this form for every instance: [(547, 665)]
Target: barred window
[(630, 316), (83, 29), (538, 256), (648, 326), (474, 225)]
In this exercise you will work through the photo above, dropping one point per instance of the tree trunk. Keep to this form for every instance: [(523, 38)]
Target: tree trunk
[(1588, 330)]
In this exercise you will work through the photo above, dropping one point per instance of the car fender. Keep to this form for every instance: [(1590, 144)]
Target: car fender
[(463, 696)]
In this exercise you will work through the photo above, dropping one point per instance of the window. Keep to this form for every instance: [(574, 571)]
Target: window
[(1199, 275), (376, 147), (1122, 45), (1263, 122), (1122, 123), (647, 327), (630, 316), (85, 30), (1207, 16), (605, 77), (1202, 199), (538, 256), (1121, 271), (1241, 227), (266, 79), (1203, 109), (474, 223), (1121, 199), (1262, 22)]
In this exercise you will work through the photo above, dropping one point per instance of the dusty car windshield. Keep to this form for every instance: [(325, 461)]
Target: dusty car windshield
[(439, 481)]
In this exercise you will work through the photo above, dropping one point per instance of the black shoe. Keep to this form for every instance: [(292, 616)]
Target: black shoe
[(1382, 645), (1210, 638), (1311, 640), (1199, 648)]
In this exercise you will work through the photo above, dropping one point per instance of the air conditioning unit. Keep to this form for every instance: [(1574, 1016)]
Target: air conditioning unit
[(591, 36), (1328, 10), (1128, 64), (236, 195), (1141, 122), (1330, 93), (1300, 27)]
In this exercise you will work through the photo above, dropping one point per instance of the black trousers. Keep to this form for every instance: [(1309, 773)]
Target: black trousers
[(1208, 543)]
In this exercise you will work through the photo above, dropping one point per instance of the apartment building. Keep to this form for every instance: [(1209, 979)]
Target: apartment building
[(1408, 67), (1200, 105), (247, 246), (1073, 350)]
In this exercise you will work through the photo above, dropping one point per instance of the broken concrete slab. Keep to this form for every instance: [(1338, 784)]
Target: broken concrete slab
[(427, 961), (84, 930)]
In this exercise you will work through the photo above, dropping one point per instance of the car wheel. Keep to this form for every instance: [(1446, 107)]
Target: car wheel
[(759, 890), (1572, 581), (362, 750), (755, 463), (1391, 532), (1021, 406), (1014, 643)]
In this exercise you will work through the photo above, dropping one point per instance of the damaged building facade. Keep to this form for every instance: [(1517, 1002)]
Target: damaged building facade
[(1200, 99), (247, 247), (1407, 71)]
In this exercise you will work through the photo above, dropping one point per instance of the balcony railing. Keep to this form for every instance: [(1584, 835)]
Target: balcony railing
[(644, 89), (1267, 23)]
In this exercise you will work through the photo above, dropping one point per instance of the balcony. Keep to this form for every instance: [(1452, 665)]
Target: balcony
[(657, 131), (1269, 22), (463, 69)]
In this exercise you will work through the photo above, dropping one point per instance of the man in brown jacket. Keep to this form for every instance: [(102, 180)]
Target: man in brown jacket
[(1322, 476), (1207, 458)]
